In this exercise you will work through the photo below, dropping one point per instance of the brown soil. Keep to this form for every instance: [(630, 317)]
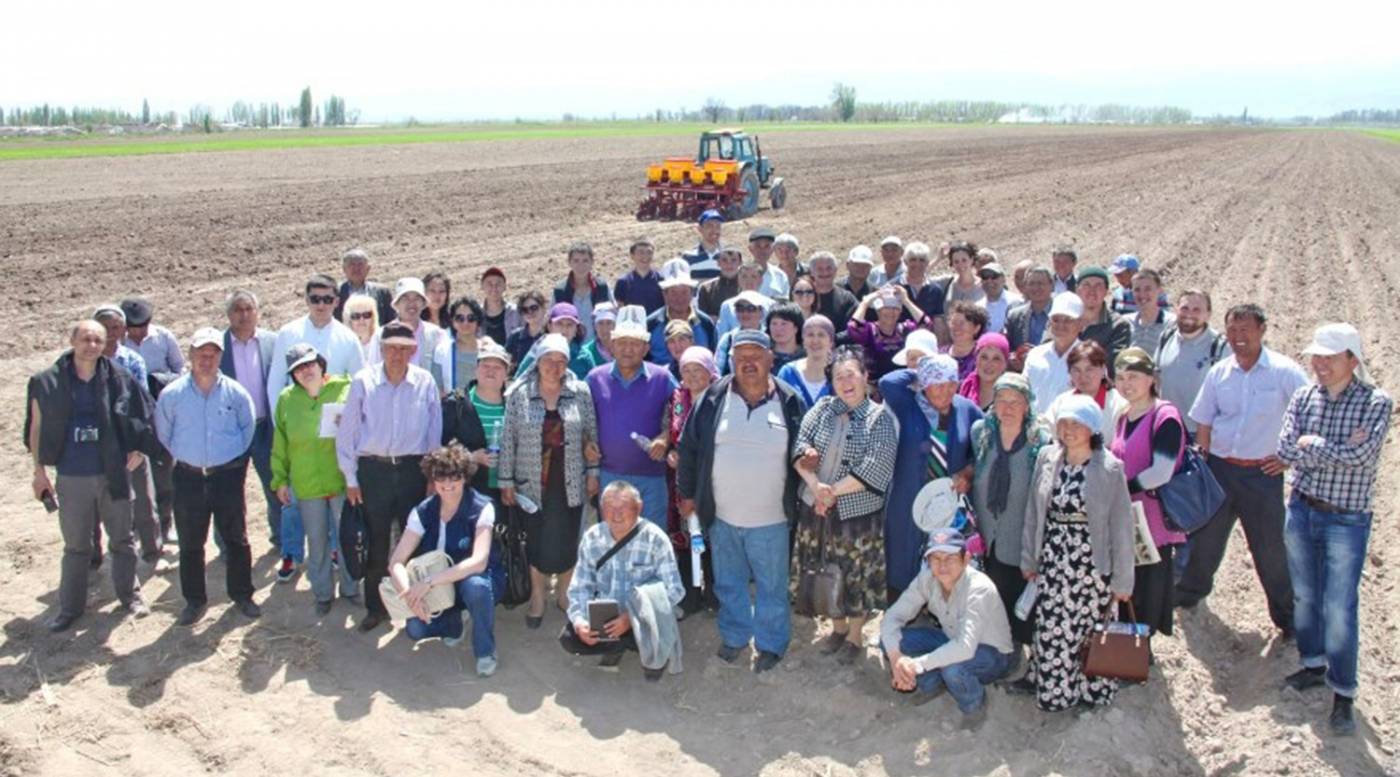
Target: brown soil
[(1304, 223)]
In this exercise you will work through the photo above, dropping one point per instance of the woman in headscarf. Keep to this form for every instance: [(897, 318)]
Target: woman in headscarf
[(698, 371), (1004, 446), (993, 354), (935, 441)]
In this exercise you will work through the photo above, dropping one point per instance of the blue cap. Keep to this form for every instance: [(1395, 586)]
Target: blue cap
[(750, 337), (711, 215), (946, 541), (1125, 263)]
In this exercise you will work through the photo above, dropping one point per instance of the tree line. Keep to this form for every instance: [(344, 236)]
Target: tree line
[(334, 112)]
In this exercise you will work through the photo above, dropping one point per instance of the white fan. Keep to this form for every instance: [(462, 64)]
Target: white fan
[(936, 505)]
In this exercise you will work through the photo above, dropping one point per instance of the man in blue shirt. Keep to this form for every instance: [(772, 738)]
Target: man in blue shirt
[(206, 420), (641, 286)]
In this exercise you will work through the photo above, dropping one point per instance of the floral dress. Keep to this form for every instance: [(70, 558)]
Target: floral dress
[(1072, 598)]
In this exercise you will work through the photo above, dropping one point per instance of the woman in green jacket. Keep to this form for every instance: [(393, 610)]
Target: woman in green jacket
[(304, 465)]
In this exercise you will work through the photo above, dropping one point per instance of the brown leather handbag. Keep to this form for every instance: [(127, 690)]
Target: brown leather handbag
[(1117, 650), (821, 589)]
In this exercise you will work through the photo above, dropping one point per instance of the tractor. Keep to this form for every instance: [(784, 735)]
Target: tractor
[(727, 175)]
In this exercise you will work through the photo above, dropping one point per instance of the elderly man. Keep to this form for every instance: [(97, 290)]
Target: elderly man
[(355, 264), (630, 396), (630, 563), (1187, 351), (410, 300), (1063, 259), (785, 250), (677, 287), (735, 474), (1047, 366), (86, 417), (206, 420), (971, 646), (1332, 436), (714, 292), (774, 283), (1101, 325), (833, 301), (926, 292), (1150, 319), (392, 418), (891, 269), (318, 329), (860, 261), (1239, 414), (248, 357), (642, 284), (1027, 324), (703, 259)]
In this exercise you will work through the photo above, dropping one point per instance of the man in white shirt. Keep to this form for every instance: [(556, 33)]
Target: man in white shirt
[(1046, 366), (1239, 414), (997, 300), (319, 329), (972, 645)]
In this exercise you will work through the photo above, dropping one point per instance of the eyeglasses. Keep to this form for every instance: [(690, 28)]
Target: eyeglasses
[(467, 319), (455, 477), (367, 315), (803, 293), (530, 310), (321, 299)]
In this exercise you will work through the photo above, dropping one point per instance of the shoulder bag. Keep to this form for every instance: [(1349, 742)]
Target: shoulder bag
[(1117, 650)]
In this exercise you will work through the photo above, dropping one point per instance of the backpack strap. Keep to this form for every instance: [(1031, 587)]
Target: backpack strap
[(622, 543)]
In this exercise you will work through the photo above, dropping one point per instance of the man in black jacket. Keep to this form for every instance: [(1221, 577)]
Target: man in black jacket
[(355, 262), (86, 418), (736, 473)]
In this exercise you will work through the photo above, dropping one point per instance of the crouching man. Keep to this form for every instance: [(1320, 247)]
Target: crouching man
[(630, 564), (973, 647)]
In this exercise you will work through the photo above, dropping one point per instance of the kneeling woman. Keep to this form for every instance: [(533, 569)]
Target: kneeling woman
[(457, 521)]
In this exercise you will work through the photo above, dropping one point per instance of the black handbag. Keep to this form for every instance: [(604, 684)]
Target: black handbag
[(354, 547), (821, 589), (510, 538)]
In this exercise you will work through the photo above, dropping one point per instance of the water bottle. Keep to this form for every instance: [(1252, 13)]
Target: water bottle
[(1026, 601), (526, 503), (697, 549), (642, 441), (493, 443)]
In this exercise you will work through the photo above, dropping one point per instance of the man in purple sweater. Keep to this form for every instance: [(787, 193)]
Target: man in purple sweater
[(630, 397)]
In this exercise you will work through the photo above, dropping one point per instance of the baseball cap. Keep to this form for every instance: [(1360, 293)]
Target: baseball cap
[(207, 336), (1332, 339), (920, 340), (762, 233), (397, 332), (891, 241), (137, 311), (552, 343), (496, 271), (1134, 360), (946, 541), (711, 215), (1124, 263), (409, 286), (750, 337), (302, 353), (604, 311), (490, 349), (109, 309), (753, 298), (563, 311), (993, 268), (861, 255), (1067, 303)]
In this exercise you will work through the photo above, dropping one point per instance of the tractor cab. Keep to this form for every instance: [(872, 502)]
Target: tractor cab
[(735, 145), (727, 174)]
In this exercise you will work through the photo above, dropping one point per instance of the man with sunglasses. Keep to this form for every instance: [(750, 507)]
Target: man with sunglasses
[(355, 263), (321, 330)]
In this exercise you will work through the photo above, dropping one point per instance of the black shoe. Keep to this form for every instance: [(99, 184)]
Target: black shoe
[(830, 643), (370, 622), (190, 615), (324, 608), (971, 721), (1287, 634), (610, 660), (247, 607), (1307, 677), (1342, 721), (728, 654), (61, 623), (765, 661), (533, 621), (1186, 602), (287, 570), (653, 675), (849, 653), (1022, 687)]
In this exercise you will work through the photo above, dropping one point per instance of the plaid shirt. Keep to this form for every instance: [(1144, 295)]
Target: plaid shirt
[(1336, 470), (647, 558), (871, 440)]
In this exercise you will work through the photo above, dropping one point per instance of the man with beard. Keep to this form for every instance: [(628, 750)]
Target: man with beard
[(1187, 351)]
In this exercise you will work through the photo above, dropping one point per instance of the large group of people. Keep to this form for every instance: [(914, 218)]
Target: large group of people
[(756, 436)]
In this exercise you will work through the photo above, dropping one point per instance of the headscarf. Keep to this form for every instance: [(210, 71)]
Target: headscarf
[(934, 369), (971, 386), (699, 354), (1000, 484), (818, 321)]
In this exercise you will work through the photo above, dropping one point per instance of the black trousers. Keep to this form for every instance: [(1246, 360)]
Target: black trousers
[(569, 640), (1256, 501), (1010, 584), (198, 498), (391, 491)]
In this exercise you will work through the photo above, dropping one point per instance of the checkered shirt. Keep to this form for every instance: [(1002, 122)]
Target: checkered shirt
[(1336, 470)]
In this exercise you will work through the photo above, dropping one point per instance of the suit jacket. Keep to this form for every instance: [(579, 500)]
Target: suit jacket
[(266, 340), (1018, 326), (382, 294)]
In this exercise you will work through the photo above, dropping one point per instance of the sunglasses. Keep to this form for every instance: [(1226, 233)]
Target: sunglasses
[(467, 319), (745, 308), (367, 315), (321, 299), (530, 310), (803, 293), (454, 478)]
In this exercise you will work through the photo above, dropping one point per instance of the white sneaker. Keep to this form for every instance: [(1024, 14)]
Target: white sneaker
[(485, 666)]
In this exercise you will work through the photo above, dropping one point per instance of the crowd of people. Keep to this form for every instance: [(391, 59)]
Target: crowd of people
[(757, 437)]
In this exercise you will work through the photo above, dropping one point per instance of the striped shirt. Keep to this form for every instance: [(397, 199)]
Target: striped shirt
[(1339, 469)]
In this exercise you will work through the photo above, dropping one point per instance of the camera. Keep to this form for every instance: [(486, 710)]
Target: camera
[(85, 434)]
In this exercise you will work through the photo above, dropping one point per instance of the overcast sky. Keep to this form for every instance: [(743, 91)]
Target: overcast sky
[(475, 60)]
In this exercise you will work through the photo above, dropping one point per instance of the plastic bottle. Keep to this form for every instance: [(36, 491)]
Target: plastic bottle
[(526, 503), (642, 441), (1026, 601), (697, 549), (493, 443)]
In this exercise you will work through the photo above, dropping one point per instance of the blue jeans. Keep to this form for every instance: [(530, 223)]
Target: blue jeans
[(321, 517), (1326, 552), (965, 680), (761, 555), (475, 594), (283, 523), (653, 490)]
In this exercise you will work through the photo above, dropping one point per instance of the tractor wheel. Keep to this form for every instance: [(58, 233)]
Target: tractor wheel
[(777, 195), (749, 181)]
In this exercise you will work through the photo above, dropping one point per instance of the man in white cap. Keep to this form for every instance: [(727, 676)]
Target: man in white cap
[(774, 283), (206, 420), (1239, 414), (1332, 437), (860, 261), (410, 300), (750, 308), (630, 397), (319, 329), (677, 288), (392, 418), (891, 269), (1047, 368)]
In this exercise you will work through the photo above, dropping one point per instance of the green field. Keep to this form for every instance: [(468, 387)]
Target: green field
[(1388, 134), (61, 147)]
